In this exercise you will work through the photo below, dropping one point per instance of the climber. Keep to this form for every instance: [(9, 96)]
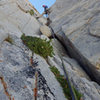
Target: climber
[(46, 11)]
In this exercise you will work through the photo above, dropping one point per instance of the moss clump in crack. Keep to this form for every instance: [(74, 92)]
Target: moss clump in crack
[(9, 39), (37, 45), (31, 12), (61, 79)]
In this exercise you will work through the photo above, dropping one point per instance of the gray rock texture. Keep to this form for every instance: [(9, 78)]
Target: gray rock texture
[(14, 18), (58, 48), (18, 78), (78, 78), (76, 23), (86, 87)]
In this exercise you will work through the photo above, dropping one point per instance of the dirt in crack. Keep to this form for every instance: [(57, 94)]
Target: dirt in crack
[(5, 88)]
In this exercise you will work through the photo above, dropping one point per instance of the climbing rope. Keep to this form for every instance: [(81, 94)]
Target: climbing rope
[(73, 95)]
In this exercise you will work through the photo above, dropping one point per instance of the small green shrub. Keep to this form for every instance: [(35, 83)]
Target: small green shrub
[(31, 12), (9, 39), (64, 84), (37, 45)]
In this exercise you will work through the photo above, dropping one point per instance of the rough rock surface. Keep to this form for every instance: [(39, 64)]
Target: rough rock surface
[(45, 30), (15, 19), (78, 77), (18, 79), (58, 48), (19, 76), (76, 23)]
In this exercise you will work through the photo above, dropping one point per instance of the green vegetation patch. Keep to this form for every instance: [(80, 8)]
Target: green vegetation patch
[(39, 46), (61, 79), (31, 12), (9, 39)]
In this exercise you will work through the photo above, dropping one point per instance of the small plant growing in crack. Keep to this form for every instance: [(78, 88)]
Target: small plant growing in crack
[(38, 45), (9, 39), (31, 12), (61, 79)]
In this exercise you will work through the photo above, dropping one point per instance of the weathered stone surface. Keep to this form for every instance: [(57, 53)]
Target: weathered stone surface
[(79, 79), (14, 18), (19, 76), (87, 88), (50, 78), (16, 72), (2, 35), (76, 24), (45, 30), (42, 20), (94, 26), (13, 59), (58, 48)]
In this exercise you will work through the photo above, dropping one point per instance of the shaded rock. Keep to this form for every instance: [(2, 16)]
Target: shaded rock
[(58, 48), (76, 67), (78, 28), (45, 30), (79, 79)]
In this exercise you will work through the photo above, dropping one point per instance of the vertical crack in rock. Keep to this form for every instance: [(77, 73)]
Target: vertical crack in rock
[(21, 8), (5, 88), (43, 87)]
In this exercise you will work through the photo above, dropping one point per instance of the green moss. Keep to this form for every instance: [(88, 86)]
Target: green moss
[(37, 45), (31, 12), (9, 39), (64, 84)]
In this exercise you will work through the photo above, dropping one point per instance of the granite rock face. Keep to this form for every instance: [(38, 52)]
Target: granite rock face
[(18, 79), (78, 78), (15, 19), (76, 23)]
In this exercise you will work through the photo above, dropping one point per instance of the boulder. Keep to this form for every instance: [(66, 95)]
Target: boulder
[(45, 30)]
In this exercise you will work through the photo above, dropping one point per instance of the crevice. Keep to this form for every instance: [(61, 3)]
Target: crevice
[(25, 11), (73, 52), (5, 88)]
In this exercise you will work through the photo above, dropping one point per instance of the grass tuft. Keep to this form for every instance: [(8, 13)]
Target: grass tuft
[(31, 12), (9, 39), (39, 46), (61, 79)]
